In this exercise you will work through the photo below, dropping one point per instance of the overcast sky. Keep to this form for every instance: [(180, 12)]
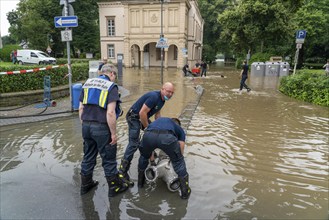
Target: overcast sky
[(5, 7)]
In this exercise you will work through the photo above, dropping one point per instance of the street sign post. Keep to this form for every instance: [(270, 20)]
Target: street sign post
[(66, 21), (301, 34), (300, 38), (66, 35), (162, 43)]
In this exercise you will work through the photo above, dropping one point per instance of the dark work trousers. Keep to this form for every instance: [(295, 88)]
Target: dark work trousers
[(96, 139), (203, 72), (168, 143), (134, 127), (243, 82)]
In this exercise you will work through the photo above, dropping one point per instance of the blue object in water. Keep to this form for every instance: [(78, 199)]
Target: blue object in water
[(76, 90)]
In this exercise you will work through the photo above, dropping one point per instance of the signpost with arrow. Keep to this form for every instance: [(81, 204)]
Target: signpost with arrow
[(67, 21)]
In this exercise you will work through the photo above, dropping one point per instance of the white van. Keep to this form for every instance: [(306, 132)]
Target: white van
[(34, 57)]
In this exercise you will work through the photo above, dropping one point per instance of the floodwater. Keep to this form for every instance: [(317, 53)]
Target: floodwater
[(257, 155)]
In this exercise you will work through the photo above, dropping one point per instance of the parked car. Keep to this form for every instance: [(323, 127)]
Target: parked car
[(34, 57)]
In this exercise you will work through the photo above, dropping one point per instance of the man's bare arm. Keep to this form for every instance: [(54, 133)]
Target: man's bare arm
[(111, 121)]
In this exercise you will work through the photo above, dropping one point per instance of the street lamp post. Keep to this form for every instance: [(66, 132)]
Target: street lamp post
[(161, 36), (49, 41)]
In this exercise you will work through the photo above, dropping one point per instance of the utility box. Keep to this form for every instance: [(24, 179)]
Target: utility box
[(257, 69), (284, 69), (93, 68), (272, 68)]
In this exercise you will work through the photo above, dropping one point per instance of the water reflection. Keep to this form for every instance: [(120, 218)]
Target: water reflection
[(260, 144), (258, 155)]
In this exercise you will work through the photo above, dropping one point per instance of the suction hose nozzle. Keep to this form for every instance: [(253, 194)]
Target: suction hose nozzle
[(165, 171)]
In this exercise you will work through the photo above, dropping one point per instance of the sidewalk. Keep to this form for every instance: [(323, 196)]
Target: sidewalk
[(28, 114)]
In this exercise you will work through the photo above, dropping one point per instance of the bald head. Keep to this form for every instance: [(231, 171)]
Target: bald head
[(168, 85), (167, 90)]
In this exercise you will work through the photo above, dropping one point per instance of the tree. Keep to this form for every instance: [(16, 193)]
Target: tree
[(314, 18), (257, 25), (210, 10), (33, 22)]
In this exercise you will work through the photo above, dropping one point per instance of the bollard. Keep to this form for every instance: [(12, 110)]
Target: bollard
[(53, 103)]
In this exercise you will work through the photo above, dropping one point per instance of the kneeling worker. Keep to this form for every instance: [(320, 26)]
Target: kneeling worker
[(167, 135)]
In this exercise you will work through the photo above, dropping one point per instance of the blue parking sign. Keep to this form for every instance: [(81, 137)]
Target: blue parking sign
[(301, 34)]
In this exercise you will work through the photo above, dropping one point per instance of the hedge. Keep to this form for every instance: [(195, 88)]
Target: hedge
[(34, 80), (307, 86)]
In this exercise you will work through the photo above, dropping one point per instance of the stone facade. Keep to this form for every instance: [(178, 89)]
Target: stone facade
[(133, 28)]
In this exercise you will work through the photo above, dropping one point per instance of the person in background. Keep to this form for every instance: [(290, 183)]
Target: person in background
[(197, 64), (138, 118), (13, 56), (101, 65), (98, 111), (244, 76), (326, 66), (186, 70), (167, 135), (203, 69)]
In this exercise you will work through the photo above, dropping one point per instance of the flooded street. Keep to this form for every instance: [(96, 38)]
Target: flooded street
[(256, 155)]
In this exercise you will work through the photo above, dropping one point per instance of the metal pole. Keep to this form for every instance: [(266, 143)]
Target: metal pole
[(69, 56), (161, 37), (296, 61)]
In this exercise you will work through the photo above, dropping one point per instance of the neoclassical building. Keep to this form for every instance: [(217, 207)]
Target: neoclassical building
[(133, 29)]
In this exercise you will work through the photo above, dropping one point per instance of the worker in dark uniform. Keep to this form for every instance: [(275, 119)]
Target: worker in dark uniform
[(186, 70), (244, 76), (167, 135), (98, 111), (138, 117)]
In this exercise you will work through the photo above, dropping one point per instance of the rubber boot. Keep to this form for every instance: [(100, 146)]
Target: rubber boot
[(141, 178), (185, 190), (87, 183), (123, 169), (116, 184)]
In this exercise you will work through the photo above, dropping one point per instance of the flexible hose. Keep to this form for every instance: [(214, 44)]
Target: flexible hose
[(11, 109), (24, 116)]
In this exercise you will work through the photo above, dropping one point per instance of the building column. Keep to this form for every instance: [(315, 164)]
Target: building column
[(166, 58), (142, 58)]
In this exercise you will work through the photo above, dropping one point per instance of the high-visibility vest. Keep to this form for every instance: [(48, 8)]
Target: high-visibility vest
[(96, 91)]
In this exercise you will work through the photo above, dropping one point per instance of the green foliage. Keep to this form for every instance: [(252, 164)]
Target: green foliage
[(256, 25), (313, 65), (260, 57), (307, 86), (239, 62), (313, 17), (34, 80), (210, 10), (33, 22), (5, 52)]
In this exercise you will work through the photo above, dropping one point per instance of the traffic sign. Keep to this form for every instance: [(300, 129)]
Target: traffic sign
[(66, 21), (300, 41), (66, 35), (62, 2), (162, 43), (299, 46), (49, 49), (301, 34), (70, 10)]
